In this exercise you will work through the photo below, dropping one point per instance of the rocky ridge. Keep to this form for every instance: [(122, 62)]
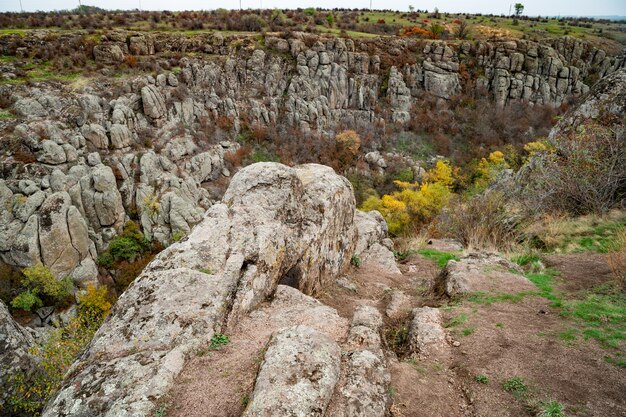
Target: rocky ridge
[(275, 225)]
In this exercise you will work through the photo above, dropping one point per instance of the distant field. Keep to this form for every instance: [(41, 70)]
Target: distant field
[(609, 34)]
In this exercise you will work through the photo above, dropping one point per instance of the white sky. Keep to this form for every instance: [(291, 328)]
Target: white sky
[(532, 7)]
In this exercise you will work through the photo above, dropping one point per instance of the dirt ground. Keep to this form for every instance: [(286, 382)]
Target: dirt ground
[(581, 271), (499, 341)]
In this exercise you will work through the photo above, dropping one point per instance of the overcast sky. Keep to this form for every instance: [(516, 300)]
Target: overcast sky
[(532, 7)]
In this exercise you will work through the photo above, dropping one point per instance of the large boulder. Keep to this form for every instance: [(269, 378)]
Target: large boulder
[(481, 272), (63, 235), (153, 102), (274, 225), (108, 53)]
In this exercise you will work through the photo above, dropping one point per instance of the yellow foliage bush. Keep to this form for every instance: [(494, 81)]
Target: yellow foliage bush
[(414, 203), (488, 169), (441, 174), (533, 148), (93, 305)]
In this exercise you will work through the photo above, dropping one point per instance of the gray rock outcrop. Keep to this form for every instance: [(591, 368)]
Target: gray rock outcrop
[(481, 272), (275, 225), (298, 375), (426, 335)]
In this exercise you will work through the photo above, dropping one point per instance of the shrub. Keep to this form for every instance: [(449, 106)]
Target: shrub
[(152, 205), (481, 221), (348, 144), (585, 175), (218, 340), (552, 409), (127, 246), (515, 386), (481, 379), (26, 300), (93, 306), (252, 23), (415, 203), (489, 168), (31, 391), (41, 287)]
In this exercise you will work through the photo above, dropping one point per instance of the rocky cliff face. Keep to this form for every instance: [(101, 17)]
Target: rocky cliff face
[(83, 160), (275, 225)]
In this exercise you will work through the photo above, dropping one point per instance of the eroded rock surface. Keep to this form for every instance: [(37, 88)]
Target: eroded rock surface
[(481, 272), (298, 375), (275, 224), (427, 336)]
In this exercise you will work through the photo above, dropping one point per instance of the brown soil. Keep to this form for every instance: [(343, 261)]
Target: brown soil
[(521, 339), (581, 271), (501, 340)]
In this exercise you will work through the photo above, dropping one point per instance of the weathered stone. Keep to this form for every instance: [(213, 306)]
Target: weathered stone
[(481, 272), (121, 137), (153, 102), (96, 135), (108, 53), (28, 107), (62, 235), (276, 224), (297, 376), (427, 336), (381, 258)]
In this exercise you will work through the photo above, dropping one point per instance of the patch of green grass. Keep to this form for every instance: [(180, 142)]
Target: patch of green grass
[(526, 259), (552, 409), (457, 321), (544, 281), (568, 335), (441, 258), (481, 379), (585, 234), (205, 271), (467, 331), (500, 325), (356, 261), (488, 299), (615, 361), (218, 340), (515, 386), (602, 315)]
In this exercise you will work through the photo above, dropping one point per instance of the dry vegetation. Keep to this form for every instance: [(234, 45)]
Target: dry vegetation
[(355, 22)]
